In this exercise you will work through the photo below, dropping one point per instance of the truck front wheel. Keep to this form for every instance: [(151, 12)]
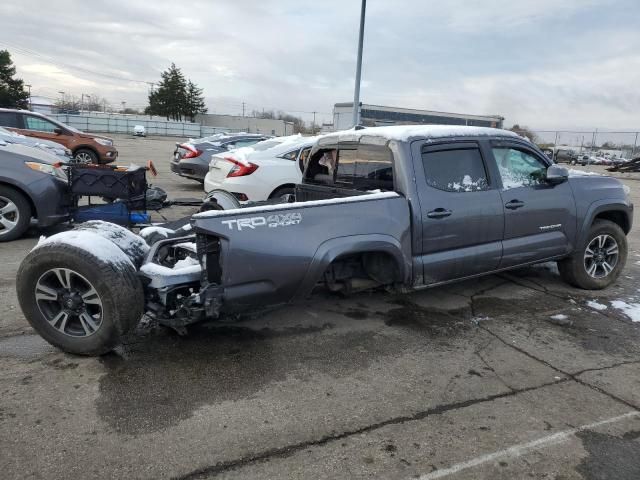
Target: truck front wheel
[(77, 301), (599, 261)]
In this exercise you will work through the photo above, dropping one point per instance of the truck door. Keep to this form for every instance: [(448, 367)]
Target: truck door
[(540, 218), (461, 211)]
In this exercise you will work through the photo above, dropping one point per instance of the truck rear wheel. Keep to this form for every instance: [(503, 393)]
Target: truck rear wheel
[(599, 261), (77, 301)]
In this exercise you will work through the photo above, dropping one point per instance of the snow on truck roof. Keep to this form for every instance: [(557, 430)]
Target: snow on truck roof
[(406, 132)]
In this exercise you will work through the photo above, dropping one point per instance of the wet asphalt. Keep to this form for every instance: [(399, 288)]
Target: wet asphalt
[(472, 380)]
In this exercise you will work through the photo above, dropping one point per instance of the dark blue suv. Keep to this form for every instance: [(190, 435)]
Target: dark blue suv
[(33, 185)]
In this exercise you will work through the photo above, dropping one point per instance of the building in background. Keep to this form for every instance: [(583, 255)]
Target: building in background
[(42, 105), (235, 123), (378, 115)]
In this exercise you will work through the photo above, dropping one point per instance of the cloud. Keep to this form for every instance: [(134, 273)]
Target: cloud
[(543, 63)]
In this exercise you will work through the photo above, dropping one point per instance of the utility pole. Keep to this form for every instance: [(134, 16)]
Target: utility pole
[(104, 105), (243, 104), (62, 105), (313, 125), (123, 105), (635, 144), (356, 93)]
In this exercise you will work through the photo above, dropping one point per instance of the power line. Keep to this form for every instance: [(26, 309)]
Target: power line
[(31, 53)]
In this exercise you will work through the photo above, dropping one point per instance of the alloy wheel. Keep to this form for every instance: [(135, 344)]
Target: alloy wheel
[(9, 215), (601, 256), (83, 157), (69, 302)]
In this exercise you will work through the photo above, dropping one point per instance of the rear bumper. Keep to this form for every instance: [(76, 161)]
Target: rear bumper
[(194, 169)]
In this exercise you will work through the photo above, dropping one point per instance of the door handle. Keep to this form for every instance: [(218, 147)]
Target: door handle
[(439, 213), (514, 204)]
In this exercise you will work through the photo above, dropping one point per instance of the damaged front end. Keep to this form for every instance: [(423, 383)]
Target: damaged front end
[(182, 280)]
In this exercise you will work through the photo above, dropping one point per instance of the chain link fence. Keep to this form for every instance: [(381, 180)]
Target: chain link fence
[(115, 123), (593, 143)]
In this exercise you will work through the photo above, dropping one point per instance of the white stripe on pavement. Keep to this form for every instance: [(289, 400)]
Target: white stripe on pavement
[(521, 449)]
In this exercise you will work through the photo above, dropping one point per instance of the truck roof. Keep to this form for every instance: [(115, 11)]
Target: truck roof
[(407, 132)]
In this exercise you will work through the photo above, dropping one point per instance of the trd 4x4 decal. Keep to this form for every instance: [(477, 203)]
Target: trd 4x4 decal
[(270, 221)]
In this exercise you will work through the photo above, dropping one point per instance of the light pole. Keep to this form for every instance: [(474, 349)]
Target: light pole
[(29, 87), (356, 93)]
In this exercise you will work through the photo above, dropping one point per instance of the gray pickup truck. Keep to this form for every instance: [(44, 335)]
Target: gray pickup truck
[(400, 207)]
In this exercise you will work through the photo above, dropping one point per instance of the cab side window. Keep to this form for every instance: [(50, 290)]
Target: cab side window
[(456, 170), (39, 124), (519, 168)]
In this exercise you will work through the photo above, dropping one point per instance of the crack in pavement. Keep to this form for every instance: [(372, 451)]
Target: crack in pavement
[(572, 376), (288, 450)]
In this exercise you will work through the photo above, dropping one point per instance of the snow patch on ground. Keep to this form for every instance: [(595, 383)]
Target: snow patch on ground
[(596, 306), (581, 173), (631, 310), (91, 242), (559, 316)]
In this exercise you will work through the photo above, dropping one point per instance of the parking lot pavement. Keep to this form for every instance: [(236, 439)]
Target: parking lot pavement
[(510, 376)]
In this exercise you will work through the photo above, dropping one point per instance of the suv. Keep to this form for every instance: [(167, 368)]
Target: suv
[(564, 155), (396, 207), (85, 147)]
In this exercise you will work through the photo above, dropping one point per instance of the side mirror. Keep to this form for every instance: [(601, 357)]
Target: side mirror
[(557, 174), (58, 131)]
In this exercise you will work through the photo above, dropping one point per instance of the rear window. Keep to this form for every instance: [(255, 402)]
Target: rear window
[(455, 170), (9, 119), (365, 168)]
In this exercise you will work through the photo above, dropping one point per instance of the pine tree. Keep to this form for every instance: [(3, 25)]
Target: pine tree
[(195, 101), (170, 99), (12, 92)]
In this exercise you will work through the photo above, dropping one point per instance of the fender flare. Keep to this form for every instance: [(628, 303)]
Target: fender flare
[(600, 206), (334, 248)]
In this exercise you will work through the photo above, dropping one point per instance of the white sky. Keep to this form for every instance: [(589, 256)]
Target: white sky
[(543, 63)]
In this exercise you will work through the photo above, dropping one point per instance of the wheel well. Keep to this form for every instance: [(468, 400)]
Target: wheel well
[(379, 267), (86, 147), (34, 210), (286, 185), (616, 217)]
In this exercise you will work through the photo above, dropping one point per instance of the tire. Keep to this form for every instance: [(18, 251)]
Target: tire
[(575, 269), (281, 192), (114, 309), (15, 214), (85, 155)]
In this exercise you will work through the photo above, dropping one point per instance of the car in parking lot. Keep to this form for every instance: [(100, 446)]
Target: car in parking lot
[(271, 169), (191, 159), (85, 147), (63, 153), (565, 155), (139, 131), (32, 186)]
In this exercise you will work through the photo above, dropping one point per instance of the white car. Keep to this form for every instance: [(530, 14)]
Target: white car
[(268, 169), (139, 131)]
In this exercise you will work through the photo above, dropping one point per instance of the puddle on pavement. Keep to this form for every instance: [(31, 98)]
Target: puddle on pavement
[(24, 346), (610, 456), (429, 321), (160, 379)]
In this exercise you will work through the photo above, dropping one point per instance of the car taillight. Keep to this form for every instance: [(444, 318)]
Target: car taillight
[(192, 152), (240, 169)]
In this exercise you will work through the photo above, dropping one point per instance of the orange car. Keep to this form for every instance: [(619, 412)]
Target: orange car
[(86, 147)]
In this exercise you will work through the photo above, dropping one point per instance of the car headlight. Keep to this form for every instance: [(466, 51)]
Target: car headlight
[(104, 141), (54, 169)]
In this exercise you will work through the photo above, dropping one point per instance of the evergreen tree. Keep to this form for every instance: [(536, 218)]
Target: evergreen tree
[(170, 99), (12, 92), (195, 101)]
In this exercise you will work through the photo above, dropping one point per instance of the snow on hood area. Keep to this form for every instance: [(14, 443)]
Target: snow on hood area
[(91, 242)]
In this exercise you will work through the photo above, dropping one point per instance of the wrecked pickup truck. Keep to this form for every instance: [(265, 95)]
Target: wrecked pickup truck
[(396, 207)]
